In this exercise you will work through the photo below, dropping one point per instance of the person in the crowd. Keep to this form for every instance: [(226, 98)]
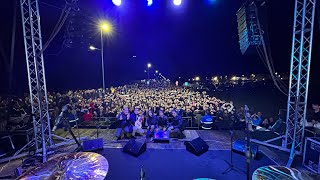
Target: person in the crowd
[(125, 125), (271, 122), (137, 120), (257, 119), (87, 115), (315, 116), (163, 121), (152, 124), (177, 125), (265, 123)]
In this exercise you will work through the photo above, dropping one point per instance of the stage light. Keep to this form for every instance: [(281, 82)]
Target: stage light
[(211, 1), (215, 78), (157, 71), (149, 2), (197, 78), (177, 2), (149, 65), (116, 2)]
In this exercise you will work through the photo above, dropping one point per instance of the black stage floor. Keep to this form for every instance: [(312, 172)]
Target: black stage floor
[(173, 164), (164, 161)]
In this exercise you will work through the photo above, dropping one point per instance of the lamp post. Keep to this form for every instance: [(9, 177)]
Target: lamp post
[(102, 62), (105, 28), (149, 66)]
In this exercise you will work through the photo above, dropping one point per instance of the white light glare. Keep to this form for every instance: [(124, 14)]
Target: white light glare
[(116, 2), (177, 2)]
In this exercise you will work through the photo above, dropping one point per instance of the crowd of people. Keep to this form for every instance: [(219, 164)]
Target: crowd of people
[(91, 104), (88, 105)]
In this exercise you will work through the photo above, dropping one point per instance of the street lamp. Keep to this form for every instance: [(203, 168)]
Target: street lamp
[(92, 48), (149, 66), (105, 28)]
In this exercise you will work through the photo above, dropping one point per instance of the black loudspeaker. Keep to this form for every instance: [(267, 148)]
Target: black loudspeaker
[(93, 144), (248, 29), (134, 148), (197, 146), (239, 146)]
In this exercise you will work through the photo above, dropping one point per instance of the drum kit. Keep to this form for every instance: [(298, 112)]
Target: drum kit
[(81, 165)]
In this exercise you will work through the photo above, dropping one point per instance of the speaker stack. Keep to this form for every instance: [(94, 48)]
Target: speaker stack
[(248, 29)]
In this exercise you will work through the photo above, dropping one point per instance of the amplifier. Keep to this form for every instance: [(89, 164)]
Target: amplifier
[(311, 154)]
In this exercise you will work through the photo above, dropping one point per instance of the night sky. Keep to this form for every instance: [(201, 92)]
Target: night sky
[(196, 38)]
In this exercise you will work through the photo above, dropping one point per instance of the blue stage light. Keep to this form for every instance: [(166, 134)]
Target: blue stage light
[(211, 1), (149, 2), (116, 2), (177, 2)]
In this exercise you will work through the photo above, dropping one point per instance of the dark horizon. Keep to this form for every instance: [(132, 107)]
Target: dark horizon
[(196, 39)]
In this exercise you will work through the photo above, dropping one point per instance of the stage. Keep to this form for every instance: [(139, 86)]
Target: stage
[(172, 161), (217, 140), (174, 164), (165, 161)]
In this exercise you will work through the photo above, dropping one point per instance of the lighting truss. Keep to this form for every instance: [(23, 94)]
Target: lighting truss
[(36, 75), (299, 74)]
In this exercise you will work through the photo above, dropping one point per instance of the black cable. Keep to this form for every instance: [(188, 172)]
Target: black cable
[(58, 28), (318, 12), (268, 57), (45, 3)]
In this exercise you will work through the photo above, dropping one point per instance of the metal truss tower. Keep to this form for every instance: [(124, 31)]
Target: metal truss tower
[(299, 74), (36, 75)]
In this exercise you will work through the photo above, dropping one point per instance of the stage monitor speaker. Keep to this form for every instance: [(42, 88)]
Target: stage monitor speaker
[(134, 148), (197, 146), (239, 146), (93, 144)]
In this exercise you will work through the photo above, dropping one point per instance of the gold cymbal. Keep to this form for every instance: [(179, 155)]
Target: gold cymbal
[(82, 165)]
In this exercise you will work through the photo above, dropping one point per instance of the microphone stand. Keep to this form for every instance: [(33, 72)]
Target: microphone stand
[(231, 167), (98, 127), (142, 174), (68, 127)]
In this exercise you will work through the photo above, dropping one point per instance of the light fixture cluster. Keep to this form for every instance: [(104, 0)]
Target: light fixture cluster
[(149, 2)]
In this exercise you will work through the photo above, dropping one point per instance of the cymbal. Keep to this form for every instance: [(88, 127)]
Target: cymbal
[(82, 165), (279, 173)]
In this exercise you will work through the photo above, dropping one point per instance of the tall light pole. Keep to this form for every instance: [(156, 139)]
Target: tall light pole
[(149, 66), (105, 27)]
